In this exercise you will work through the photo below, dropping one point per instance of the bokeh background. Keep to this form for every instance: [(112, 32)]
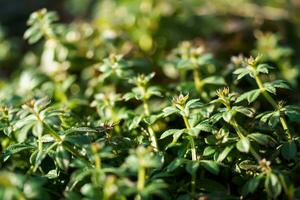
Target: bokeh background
[(151, 28)]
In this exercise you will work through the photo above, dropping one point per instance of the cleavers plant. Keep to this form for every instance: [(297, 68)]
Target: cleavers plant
[(91, 120)]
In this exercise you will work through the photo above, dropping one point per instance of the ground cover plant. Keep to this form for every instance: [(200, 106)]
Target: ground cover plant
[(134, 105)]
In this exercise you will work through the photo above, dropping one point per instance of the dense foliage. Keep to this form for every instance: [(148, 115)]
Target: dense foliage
[(124, 107)]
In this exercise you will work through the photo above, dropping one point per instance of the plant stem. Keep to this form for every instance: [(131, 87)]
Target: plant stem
[(197, 80), (66, 145), (40, 143), (150, 129), (141, 179), (73, 151), (270, 99), (240, 131), (114, 118), (96, 156), (140, 182), (146, 107), (199, 85), (52, 132), (193, 152)]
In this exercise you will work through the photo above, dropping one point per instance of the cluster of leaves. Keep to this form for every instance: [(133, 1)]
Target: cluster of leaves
[(109, 130)]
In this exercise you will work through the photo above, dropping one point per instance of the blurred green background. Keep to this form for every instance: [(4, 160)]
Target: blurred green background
[(226, 27)]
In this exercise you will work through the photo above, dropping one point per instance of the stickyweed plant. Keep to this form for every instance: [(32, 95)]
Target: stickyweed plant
[(183, 107), (193, 59), (143, 93), (85, 118)]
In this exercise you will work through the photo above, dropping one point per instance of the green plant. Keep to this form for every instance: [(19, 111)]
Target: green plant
[(96, 115)]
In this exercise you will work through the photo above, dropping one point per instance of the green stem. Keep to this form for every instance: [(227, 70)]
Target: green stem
[(96, 157), (270, 99), (40, 143), (146, 107), (186, 122), (73, 151), (52, 132), (48, 128), (150, 129), (140, 182), (193, 152), (199, 85), (197, 80), (66, 145), (141, 179), (239, 130), (114, 118)]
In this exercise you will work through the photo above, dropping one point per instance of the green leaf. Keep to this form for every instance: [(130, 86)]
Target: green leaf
[(135, 122), (204, 59), (41, 104), (209, 150), (249, 112), (194, 132), (40, 156), (37, 129), (250, 96), (263, 68), (272, 118), (177, 162), (210, 166), (262, 139), (227, 115), (52, 174), (152, 119), (272, 185), (271, 87), (128, 96), (211, 140), (251, 185), (171, 132), (214, 80), (204, 126), (248, 165), (243, 145), (15, 148), (79, 130), (224, 153), (169, 111), (292, 112), (241, 72), (193, 103), (153, 91), (78, 176), (280, 84), (62, 158), (212, 186), (192, 166), (289, 150), (155, 188)]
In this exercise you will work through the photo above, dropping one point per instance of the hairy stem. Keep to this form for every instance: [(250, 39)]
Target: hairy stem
[(199, 85), (150, 129), (96, 157), (239, 130), (270, 99), (140, 182), (193, 152), (66, 145), (114, 118)]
